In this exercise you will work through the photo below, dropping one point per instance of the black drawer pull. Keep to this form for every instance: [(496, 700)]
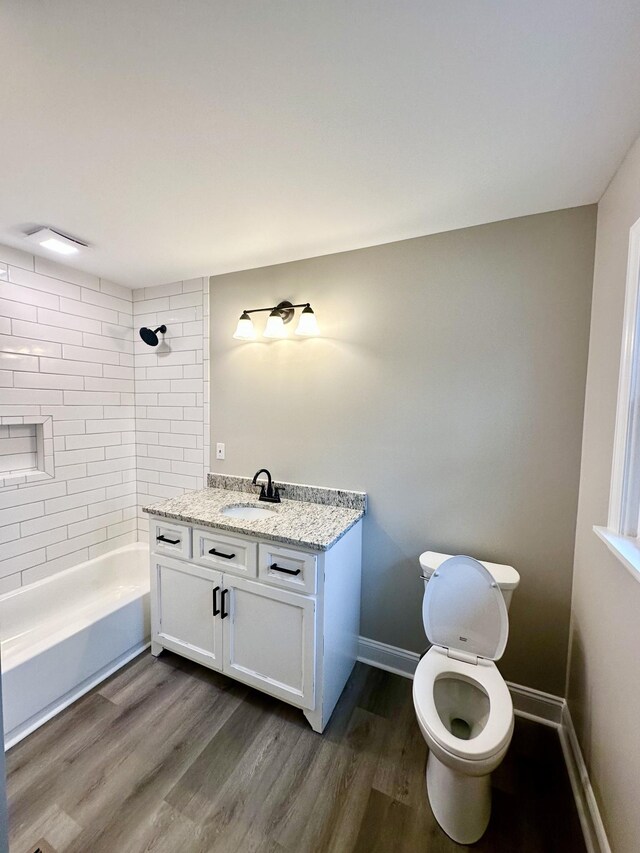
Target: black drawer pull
[(286, 571), (168, 541), (216, 609), (220, 554), (224, 614)]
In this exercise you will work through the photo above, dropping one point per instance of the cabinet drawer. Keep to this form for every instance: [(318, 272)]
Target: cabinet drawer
[(286, 568), (224, 553), (171, 538)]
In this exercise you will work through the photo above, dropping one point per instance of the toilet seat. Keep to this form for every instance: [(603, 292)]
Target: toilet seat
[(497, 731)]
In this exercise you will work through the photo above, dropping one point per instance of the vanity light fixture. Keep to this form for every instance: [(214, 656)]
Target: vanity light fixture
[(279, 316), (56, 241)]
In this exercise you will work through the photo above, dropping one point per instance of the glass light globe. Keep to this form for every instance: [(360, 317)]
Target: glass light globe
[(307, 324), (245, 330), (275, 327)]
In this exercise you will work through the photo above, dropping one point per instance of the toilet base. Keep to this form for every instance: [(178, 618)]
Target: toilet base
[(461, 804)]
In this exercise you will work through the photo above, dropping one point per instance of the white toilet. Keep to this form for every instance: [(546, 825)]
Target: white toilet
[(462, 703)]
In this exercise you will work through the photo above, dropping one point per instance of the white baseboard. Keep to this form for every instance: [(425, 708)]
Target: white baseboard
[(391, 658), (532, 704), (592, 826)]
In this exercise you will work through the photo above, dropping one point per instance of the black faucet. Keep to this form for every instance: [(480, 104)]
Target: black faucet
[(272, 493)]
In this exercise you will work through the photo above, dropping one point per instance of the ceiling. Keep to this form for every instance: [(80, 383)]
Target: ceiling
[(191, 137)]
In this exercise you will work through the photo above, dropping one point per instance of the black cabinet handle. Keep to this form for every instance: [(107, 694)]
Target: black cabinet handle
[(169, 541), (286, 571), (220, 554), (223, 614), (216, 609)]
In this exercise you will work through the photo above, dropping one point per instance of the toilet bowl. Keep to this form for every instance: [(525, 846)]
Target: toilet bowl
[(462, 703)]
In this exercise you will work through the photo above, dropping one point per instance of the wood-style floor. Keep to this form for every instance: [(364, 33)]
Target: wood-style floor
[(169, 757)]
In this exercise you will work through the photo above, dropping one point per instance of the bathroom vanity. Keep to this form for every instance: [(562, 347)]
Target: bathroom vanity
[(268, 594)]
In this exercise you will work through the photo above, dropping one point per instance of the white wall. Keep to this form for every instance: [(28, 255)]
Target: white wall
[(171, 383), (604, 670), (66, 350)]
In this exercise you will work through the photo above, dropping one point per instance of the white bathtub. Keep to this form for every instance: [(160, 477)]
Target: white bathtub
[(61, 636)]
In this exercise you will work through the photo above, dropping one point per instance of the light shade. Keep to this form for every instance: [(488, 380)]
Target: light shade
[(244, 329), (275, 327), (307, 324)]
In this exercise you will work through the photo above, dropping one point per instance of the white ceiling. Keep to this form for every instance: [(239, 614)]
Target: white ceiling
[(188, 137)]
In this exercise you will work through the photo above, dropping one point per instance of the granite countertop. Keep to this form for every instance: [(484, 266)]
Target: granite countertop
[(296, 522)]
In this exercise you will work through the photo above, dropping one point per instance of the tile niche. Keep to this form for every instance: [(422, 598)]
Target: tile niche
[(26, 449)]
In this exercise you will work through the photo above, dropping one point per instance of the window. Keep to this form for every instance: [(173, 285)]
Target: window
[(622, 533)]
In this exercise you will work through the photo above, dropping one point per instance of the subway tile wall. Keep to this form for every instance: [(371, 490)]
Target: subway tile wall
[(171, 383), (66, 350), (129, 422)]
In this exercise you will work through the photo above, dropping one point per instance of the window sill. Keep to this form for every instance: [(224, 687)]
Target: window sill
[(625, 548)]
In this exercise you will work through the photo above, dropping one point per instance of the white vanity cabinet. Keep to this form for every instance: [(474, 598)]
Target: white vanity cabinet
[(279, 618)]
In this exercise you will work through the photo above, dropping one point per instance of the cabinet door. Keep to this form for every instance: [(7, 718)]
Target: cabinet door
[(186, 596), (269, 640)]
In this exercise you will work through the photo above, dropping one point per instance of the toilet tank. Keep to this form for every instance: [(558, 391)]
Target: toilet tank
[(505, 576)]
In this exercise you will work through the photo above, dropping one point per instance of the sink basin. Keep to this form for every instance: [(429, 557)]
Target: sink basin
[(248, 513)]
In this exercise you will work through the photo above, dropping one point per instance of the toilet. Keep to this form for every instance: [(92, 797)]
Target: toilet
[(462, 703)]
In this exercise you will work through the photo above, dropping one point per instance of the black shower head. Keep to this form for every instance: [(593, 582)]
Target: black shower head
[(150, 336)]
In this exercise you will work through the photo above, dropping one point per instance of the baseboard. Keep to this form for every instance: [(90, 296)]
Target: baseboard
[(592, 826), (532, 704), (390, 658)]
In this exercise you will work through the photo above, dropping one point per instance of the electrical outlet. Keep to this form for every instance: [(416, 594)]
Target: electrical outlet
[(219, 450)]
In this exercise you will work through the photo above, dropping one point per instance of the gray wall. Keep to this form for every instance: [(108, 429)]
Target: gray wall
[(604, 675), (448, 383)]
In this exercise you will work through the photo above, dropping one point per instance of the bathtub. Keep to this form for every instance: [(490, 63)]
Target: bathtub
[(61, 636)]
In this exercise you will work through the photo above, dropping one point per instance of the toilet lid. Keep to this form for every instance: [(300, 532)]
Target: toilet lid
[(463, 609)]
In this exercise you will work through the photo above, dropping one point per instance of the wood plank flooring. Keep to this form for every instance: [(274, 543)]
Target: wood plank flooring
[(169, 757)]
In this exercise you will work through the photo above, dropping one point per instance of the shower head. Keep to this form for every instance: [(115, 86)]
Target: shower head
[(150, 336)]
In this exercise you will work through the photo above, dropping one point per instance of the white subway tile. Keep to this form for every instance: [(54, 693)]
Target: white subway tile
[(70, 501), (153, 425), (108, 465), (24, 561), (106, 301), (70, 472), (112, 544), (185, 300), (6, 378), (113, 289), (24, 295), (90, 524), (111, 426), (165, 412), (48, 380), (93, 312), (39, 332), (193, 413), (158, 452), (16, 361), (148, 306), (68, 321), (72, 413), (98, 439), (65, 273), (192, 371), (10, 583), (22, 546), (16, 257), (49, 522), (191, 427), (68, 427), (30, 396), (68, 366), (167, 371), (80, 456), (91, 398), (82, 353), (120, 412), (111, 506), (24, 346), (44, 283), (175, 398), (97, 383), (160, 290), (85, 484), (181, 480), (123, 527), (17, 310), (75, 544), (117, 372)]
